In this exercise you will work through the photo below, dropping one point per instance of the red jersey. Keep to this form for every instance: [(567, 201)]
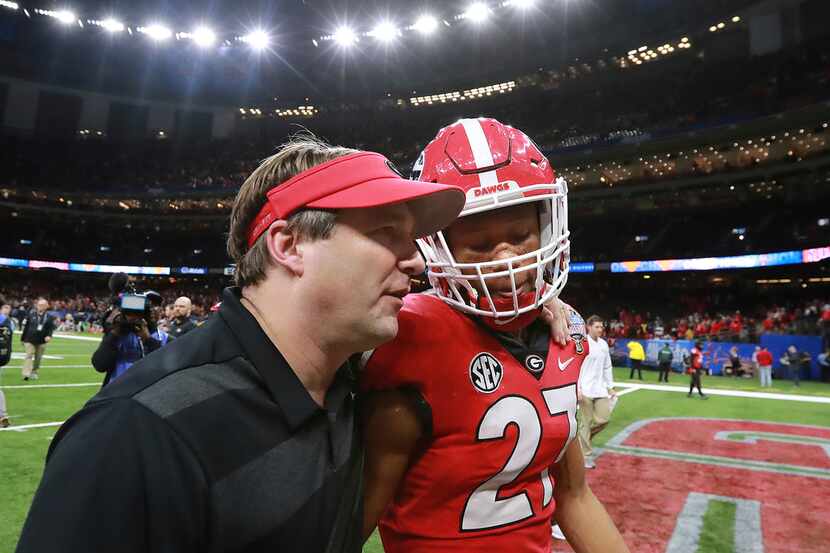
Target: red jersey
[(764, 358), (697, 358), (483, 481)]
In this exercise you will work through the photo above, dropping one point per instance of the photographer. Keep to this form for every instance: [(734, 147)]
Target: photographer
[(130, 331)]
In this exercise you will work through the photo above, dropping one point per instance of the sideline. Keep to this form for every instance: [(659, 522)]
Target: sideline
[(72, 336), (729, 393), (26, 427), (35, 386)]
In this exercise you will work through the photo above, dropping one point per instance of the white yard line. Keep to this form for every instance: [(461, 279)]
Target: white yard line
[(633, 388), (72, 337), (45, 366), (26, 427), (33, 386), (729, 393)]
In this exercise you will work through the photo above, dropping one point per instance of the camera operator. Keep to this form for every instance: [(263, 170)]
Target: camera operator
[(130, 331)]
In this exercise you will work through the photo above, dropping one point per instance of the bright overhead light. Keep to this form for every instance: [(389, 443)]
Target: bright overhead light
[(203, 37), (66, 17), (736, 19), (477, 12), (426, 24), (157, 32), (522, 4), (344, 36), (112, 25), (258, 40), (9, 5), (385, 31)]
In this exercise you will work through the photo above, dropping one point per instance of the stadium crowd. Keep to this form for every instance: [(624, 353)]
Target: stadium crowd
[(81, 307), (811, 317), (566, 109)]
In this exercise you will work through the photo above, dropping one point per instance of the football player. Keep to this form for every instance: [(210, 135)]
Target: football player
[(470, 411)]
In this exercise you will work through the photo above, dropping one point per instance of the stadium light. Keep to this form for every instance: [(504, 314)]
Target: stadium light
[(385, 31), (157, 32), (426, 24), (66, 17), (477, 12), (522, 4), (112, 25), (203, 37), (736, 19), (9, 5), (344, 36), (258, 40)]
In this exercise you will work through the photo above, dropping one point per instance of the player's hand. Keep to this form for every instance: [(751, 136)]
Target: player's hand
[(555, 314), (47, 339), (578, 395)]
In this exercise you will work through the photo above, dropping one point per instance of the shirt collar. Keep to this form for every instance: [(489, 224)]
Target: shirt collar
[(283, 384)]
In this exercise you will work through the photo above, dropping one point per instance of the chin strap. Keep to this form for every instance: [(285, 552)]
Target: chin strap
[(510, 323)]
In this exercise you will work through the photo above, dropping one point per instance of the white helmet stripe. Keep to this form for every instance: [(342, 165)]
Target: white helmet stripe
[(481, 150)]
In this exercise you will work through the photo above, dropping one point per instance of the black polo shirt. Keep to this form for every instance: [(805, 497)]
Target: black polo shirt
[(210, 444)]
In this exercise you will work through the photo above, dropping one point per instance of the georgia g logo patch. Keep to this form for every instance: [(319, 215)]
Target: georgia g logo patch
[(486, 372)]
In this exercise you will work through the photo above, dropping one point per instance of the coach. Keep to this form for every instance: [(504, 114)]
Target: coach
[(37, 331), (240, 436)]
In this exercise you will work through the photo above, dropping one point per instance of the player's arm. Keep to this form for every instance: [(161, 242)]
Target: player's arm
[(579, 513), (392, 428)]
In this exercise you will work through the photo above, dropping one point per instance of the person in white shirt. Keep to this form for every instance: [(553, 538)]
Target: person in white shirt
[(596, 389)]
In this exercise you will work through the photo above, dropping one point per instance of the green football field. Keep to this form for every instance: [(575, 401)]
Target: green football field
[(675, 456)]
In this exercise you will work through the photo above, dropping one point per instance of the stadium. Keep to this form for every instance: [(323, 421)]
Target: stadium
[(688, 151)]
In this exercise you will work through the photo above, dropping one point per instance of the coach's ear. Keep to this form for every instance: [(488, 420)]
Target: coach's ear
[(283, 247)]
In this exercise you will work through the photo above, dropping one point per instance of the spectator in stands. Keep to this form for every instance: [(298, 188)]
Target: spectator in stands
[(664, 359), (636, 356), (38, 327), (6, 341), (764, 359), (182, 323)]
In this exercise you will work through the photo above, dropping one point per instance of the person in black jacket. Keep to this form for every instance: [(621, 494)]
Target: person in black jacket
[(38, 327), (6, 333), (664, 359), (181, 323)]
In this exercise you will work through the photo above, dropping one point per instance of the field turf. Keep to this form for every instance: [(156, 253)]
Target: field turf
[(22, 452)]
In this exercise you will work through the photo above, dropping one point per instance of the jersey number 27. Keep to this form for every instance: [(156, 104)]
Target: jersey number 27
[(484, 510)]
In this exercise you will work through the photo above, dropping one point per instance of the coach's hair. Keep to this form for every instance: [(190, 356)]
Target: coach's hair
[(593, 319), (300, 153)]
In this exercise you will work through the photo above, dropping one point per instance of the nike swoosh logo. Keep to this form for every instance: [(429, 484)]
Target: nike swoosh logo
[(563, 366)]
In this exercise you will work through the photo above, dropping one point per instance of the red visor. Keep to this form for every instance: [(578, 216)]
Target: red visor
[(362, 179)]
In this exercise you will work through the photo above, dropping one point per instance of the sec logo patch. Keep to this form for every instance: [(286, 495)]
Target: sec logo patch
[(486, 372)]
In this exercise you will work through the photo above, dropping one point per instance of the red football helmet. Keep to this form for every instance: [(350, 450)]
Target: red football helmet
[(497, 166)]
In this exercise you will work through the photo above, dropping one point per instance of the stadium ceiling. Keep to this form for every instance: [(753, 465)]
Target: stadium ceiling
[(250, 50)]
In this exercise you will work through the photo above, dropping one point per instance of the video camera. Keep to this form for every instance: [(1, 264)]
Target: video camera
[(129, 306)]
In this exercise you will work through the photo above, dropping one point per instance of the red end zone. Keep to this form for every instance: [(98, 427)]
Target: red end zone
[(655, 474)]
